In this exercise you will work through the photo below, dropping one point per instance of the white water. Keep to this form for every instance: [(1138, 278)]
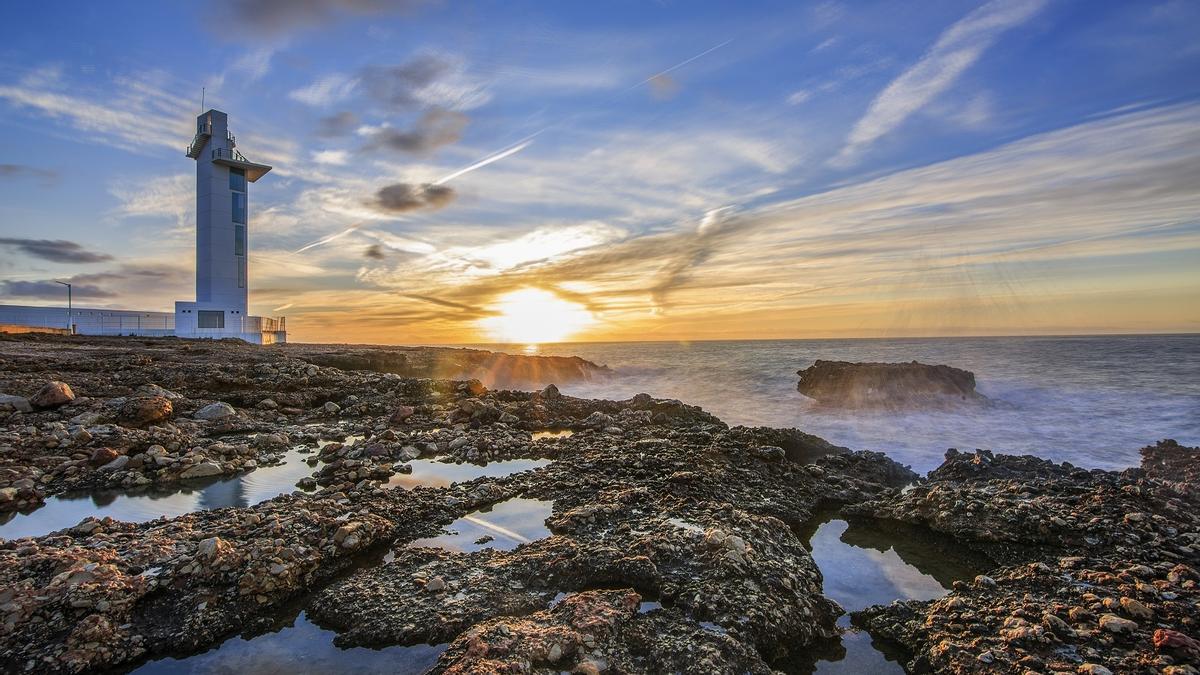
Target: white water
[(1093, 401)]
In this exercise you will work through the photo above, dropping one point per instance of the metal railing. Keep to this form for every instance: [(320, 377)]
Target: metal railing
[(230, 154)]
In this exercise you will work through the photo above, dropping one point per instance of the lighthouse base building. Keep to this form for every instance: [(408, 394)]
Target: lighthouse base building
[(223, 177)]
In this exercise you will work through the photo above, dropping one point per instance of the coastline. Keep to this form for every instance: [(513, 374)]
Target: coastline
[(653, 501)]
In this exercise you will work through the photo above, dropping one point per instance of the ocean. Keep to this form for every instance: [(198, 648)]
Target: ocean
[(1092, 401)]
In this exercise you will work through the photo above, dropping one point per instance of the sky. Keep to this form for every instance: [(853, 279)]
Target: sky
[(515, 171)]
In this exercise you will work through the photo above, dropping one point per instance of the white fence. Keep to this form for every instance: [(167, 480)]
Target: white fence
[(88, 321)]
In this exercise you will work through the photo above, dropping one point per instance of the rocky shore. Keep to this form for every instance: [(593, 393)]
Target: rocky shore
[(674, 542)]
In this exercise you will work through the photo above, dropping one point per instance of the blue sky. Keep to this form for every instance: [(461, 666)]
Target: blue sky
[(662, 170)]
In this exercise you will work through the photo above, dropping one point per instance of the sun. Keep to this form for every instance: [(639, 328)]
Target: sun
[(533, 315)]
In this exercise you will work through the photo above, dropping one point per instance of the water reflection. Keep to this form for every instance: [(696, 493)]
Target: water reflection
[(175, 499), (437, 473), (502, 526), (865, 565), (301, 647)]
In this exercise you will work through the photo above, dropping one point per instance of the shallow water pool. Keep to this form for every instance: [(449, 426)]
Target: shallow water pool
[(175, 499), (300, 647), (509, 524), (864, 565), (437, 473)]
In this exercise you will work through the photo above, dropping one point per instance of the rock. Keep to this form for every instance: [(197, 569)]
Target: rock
[(1166, 639), (18, 403), (551, 393), (143, 412), (435, 585), (149, 390), (211, 548), (1057, 625), (8, 494), (331, 408), (52, 395), (215, 411), (1094, 669), (887, 385), (116, 464), (201, 470), (770, 453), (102, 456), (1136, 609), (85, 419), (598, 420), (1115, 624), (401, 414), (347, 536)]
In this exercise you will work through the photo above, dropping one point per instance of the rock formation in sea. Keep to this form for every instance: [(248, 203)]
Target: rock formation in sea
[(887, 385)]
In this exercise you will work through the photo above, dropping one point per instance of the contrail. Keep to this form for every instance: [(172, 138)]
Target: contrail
[(487, 160), (524, 143), (328, 239), (681, 64)]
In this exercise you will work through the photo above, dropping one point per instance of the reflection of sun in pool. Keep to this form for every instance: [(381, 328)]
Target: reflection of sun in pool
[(534, 315)]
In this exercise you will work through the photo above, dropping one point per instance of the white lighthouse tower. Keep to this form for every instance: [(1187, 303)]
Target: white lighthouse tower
[(223, 176)]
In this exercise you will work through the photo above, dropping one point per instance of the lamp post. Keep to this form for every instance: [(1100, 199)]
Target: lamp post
[(70, 331)]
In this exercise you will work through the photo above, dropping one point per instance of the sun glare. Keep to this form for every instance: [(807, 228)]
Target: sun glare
[(533, 315)]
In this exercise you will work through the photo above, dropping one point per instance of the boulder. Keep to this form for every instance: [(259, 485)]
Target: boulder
[(887, 385), (145, 411), (155, 390), (18, 403), (117, 464), (52, 395), (402, 414), (215, 411), (102, 456), (201, 470)]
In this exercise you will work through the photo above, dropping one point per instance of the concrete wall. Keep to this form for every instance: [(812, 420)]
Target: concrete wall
[(91, 321)]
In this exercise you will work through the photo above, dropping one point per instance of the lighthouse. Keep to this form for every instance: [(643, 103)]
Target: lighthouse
[(223, 179)]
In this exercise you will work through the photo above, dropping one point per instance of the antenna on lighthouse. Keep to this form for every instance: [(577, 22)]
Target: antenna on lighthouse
[(202, 99)]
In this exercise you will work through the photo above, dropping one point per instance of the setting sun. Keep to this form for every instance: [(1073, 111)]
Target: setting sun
[(533, 315)]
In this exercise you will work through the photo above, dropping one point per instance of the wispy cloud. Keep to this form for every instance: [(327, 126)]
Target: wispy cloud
[(13, 171), (338, 124), (139, 113), (254, 64), (132, 280), (140, 116), (326, 90), (331, 157), (962, 234), (51, 290), (273, 17), (433, 129), (172, 197), (956, 50), (55, 250), (404, 197), (429, 80)]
